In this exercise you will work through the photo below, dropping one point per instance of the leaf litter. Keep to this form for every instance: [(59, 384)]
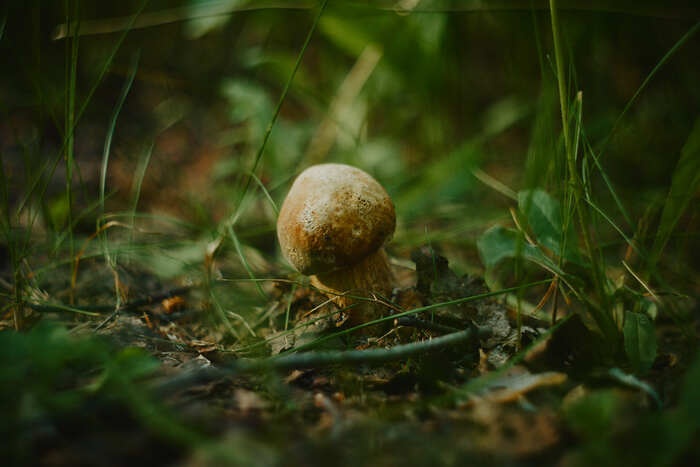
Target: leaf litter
[(514, 415)]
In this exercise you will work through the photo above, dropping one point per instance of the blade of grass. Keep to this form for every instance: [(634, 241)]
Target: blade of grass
[(684, 185), (418, 310), (108, 145), (52, 165), (110, 259), (685, 38), (3, 23), (616, 227), (42, 306), (477, 384), (289, 307), (606, 180), (111, 127), (17, 279), (137, 183), (215, 8), (108, 62), (264, 191), (289, 332), (602, 317), (179, 14), (278, 108), (244, 261), (84, 213), (222, 314), (70, 91)]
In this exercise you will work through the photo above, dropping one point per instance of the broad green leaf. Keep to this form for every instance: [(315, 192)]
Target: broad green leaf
[(640, 341), (498, 243), (685, 183), (544, 215)]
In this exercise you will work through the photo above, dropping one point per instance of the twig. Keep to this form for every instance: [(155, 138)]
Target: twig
[(317, 359), (106, 320)]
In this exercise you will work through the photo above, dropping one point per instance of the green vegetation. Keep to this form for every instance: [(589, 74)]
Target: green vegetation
[(550, 148)]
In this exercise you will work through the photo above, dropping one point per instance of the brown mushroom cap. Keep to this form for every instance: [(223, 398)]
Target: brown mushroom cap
[(334, 216)]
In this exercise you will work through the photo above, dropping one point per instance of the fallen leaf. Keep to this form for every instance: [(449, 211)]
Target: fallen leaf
[(173, 304), (516, 383), (247, 401)]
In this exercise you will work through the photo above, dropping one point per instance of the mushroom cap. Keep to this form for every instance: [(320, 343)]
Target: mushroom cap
[(334, 216)]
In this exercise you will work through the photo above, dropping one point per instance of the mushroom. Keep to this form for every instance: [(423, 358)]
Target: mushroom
[(333, 226)]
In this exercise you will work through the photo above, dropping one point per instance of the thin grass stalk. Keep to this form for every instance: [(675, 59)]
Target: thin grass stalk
[(18, 308), (17, 279), (244, 261), (106, 153), (283, 97), (138, 182), (32, 186), (604, 321), (289, 306), (672, 51), (416, 311), (71, 78)]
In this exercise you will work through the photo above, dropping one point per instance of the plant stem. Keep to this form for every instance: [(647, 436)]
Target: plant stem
[(71, 72), (314, 359), (602, 318), (278, 108)]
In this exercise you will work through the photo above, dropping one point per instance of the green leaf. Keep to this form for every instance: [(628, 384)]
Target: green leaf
[(634, 382), (544, 215), (498, 243), (640, 341), (685, 183), (206, 16)]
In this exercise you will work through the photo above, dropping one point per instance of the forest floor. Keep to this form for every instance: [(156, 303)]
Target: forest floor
[(538, 396)]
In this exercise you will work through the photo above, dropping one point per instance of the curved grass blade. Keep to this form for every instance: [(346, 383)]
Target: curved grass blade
[(239, 250), (684, 185), (112, 126), (33, 184), (138, 181), (685, 38), (275, 115), (419, 310)]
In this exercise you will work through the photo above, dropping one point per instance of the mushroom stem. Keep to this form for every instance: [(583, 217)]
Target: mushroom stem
[(372, 275)]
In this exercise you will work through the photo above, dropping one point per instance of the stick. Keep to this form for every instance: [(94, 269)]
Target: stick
[(315, 359)]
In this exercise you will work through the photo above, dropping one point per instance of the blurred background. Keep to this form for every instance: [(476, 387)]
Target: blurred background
[(451, 105)]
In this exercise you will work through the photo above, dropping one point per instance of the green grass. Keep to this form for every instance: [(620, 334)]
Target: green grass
[(457, 117), (580, 163)]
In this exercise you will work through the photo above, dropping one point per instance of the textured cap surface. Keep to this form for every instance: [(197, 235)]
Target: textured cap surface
[(334, 216)]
